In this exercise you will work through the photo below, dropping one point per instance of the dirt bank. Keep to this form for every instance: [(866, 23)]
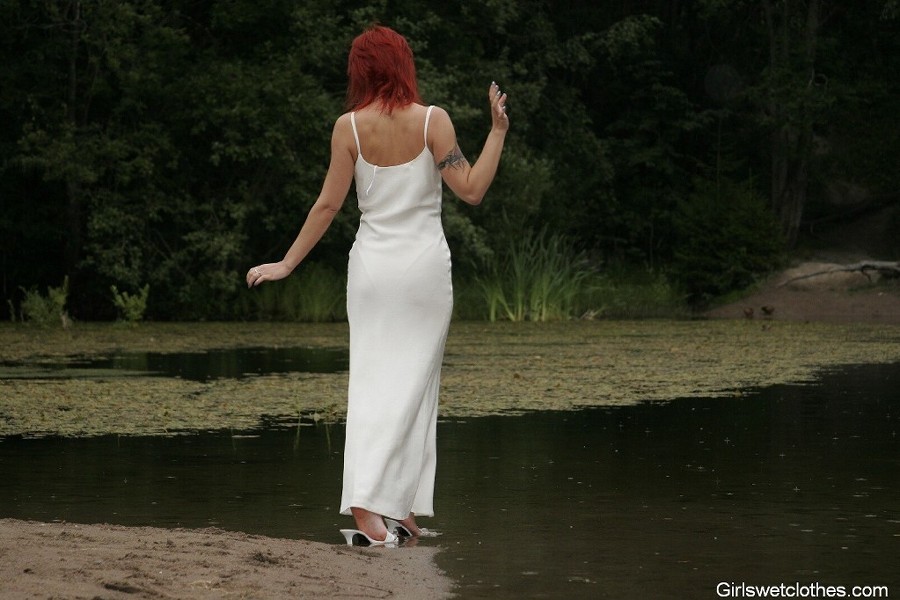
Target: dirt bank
[(818, 291), (64, 560)]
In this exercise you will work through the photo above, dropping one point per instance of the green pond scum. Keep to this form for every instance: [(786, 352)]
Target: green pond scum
[(489, 369)]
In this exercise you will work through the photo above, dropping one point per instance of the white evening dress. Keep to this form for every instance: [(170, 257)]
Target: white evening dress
[(399, 300)]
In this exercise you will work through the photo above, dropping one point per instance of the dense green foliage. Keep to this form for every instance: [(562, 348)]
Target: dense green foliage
[(724, 240), (173, 143)]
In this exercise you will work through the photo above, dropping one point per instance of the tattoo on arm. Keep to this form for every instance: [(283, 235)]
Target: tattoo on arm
[(454, 160)]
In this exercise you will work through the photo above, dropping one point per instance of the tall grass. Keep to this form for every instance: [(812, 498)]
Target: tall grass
[(315, 293), (539, 277)]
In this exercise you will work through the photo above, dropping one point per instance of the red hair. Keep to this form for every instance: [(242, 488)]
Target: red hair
[(380, 68)]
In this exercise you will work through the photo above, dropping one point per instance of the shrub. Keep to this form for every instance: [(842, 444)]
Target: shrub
[(45, 311), (131, 306), (633, 294), (726, 239)]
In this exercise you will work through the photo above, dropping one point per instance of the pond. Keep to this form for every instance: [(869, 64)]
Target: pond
[(193, 366), (784, 484)]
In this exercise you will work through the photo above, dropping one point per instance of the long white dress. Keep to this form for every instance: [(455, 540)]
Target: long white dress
[(399, 300)]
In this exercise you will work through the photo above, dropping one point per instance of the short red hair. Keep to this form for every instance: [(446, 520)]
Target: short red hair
[(380, 68)]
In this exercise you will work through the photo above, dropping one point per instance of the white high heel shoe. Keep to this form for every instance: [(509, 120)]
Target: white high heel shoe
[(403, 532), (355, 537), (397, 528)]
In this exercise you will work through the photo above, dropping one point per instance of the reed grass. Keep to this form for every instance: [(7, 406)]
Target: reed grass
[(539, 277)]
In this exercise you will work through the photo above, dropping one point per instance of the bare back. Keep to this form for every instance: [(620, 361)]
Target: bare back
[(395, 139)]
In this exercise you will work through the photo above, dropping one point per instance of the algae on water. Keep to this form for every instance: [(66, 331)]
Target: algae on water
[(489, 368)]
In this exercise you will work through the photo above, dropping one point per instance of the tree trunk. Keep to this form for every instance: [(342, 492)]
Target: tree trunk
[(74, 192), (791, 141)]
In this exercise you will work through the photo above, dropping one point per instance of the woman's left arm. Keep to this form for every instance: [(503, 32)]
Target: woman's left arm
[(331, 198)]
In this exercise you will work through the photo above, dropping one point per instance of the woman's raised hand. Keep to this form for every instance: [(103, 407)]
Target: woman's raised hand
[(499, 118)]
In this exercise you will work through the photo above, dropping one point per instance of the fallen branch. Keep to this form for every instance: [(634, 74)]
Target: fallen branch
[(885, 268)]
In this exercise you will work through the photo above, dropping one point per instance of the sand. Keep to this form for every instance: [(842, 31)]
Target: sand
[(67, 560)]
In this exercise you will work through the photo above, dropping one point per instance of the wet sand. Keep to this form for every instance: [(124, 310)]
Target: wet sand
[(67, 560)]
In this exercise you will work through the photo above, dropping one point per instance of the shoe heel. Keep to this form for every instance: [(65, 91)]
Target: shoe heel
[(397, 528), (351, 535), (356, 537)]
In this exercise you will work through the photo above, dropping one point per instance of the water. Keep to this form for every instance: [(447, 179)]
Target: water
[(194, 366), (665, 500)]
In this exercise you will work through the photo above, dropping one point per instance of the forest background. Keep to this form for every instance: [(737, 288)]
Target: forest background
[(662, 153)]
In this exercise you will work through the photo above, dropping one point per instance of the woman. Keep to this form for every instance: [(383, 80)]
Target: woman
[(399, 291)]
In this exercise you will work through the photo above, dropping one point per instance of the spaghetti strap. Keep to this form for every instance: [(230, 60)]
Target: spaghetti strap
[(355, 134), (427, 118)]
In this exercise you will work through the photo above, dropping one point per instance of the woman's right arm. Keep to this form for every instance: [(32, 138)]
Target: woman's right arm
[(470, 182), (331, 198)]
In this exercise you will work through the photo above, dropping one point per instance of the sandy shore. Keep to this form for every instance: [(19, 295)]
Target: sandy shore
[(66, 560)]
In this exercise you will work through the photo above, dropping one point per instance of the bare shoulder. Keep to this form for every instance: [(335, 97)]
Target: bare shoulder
[(440, 117), (342, 123), (343, 129), (342, 141), (441, 134)]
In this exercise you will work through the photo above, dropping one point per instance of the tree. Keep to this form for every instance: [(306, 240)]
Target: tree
[(92, 127), (795, 97), (172, 143)]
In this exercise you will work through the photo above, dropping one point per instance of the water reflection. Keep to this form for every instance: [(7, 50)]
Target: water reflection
[(194, 366), (665, 500)]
